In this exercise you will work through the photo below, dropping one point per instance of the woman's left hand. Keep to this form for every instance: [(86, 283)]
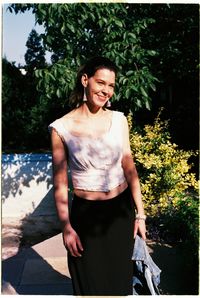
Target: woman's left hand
[(140, 227)]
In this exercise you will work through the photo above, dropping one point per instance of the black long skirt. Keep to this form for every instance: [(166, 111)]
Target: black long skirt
[(106, 232)]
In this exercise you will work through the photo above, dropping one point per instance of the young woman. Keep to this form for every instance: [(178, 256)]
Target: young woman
[(99, 230)]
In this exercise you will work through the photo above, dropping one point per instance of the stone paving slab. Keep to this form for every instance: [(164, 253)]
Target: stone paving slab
[(51, 247), (12, 270), (45, 290), (39, 270), (44, 271)]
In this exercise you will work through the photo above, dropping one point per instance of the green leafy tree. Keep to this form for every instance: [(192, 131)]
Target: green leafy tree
[(145, 40), (21, 130), (35, 60), (13, 106), (175, 36), (35, 54), (112, 30)]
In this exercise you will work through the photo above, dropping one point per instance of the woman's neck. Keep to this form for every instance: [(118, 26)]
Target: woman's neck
[(91, 112)]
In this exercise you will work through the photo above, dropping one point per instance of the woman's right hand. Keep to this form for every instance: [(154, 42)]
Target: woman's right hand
[(72, 241)]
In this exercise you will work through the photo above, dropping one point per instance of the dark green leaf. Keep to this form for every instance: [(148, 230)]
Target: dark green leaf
[(143, 92)]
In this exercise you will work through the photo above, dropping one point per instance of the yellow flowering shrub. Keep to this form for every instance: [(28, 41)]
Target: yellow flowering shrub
[(163, 168)]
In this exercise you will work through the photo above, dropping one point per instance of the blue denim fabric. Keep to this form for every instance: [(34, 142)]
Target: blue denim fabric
[(146, 273)]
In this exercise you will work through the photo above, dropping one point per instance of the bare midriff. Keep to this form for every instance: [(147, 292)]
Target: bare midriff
[(100, 195)]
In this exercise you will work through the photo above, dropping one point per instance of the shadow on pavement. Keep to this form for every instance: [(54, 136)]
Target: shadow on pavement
[(27, 273)]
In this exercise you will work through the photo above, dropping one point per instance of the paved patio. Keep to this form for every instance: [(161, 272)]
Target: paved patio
[(42, 270), (39, 270)]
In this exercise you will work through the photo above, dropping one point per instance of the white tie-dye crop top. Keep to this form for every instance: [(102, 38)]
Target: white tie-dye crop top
[(95, 163)]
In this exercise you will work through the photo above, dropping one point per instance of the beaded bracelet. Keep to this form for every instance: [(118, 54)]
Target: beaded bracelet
[(139, 216)]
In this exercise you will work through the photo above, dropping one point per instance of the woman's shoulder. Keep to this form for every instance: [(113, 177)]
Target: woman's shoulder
[(67, 116), (58, 123), (118, 114), (61, 125), (63, 119)]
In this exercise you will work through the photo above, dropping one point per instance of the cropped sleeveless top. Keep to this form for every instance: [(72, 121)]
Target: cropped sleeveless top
[(95, 162)]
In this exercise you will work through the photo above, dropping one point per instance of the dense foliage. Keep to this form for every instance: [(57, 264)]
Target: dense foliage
[(157, 57), (20, 126), (163, 167), (169, 186), (14, 105), (100, 29), (35, 54), (131, 35)]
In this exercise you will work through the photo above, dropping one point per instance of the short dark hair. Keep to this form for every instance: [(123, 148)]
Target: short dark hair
[(89, 68)]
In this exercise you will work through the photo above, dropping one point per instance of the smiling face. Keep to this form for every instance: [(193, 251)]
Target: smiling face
[(100, 87)]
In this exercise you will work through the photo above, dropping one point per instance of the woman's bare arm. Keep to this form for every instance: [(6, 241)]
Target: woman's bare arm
[(60, 181), (133, 180)]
